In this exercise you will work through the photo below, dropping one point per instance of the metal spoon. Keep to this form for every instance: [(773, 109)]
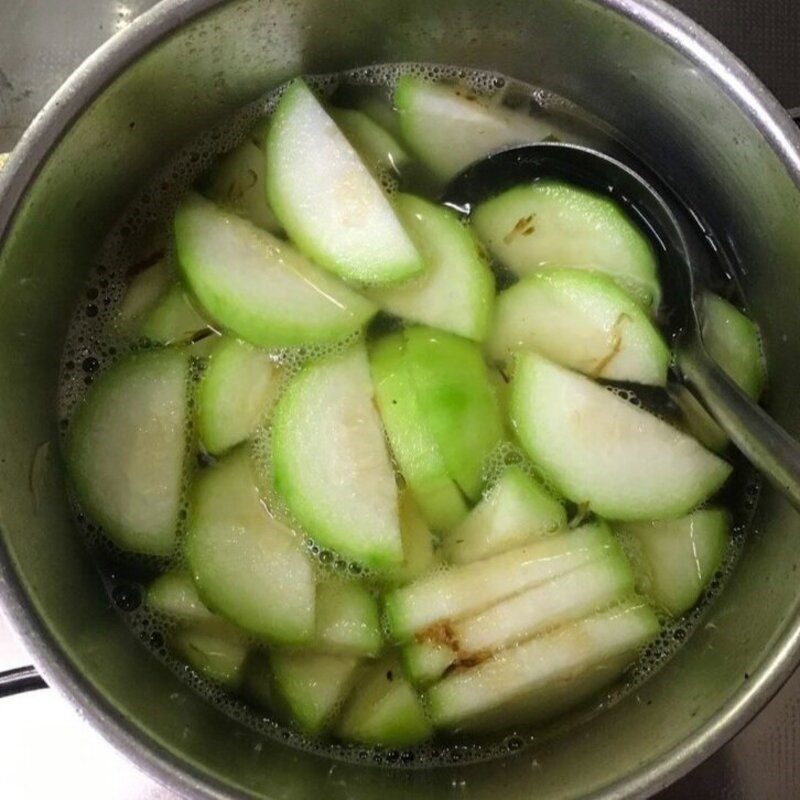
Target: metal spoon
[(686, 255)]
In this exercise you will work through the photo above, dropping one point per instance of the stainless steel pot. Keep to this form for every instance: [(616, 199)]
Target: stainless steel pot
[(692, 110)]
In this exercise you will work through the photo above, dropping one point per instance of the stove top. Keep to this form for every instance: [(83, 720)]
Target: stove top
[(46, 749)]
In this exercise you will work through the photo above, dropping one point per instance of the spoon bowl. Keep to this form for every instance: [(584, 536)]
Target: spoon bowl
[(687, 264)]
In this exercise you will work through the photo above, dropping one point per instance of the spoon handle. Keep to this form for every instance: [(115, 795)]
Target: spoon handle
[(765, 443)]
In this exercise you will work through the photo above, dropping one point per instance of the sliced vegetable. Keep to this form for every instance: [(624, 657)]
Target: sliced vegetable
[(237, 182), (173, 594), (581, 320), (238, 386), (597, 448), (258, 287), (246, 565), (347, 619), (312, 685), (384, 709), (515, 510), (330, 461), (456, 291), (448, 128), (549, 224), (419, 555), (378, 149), (456, 401), (324, 195), (734, 342), (676, 559), (426, 661), (430, 604), (125, 450), (586, 590), (543, 674), (217, 653), (173, 319), (142, 294), (418, 457)]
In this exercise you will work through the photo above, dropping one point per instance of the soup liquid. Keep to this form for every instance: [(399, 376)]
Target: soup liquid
[(141, 236)]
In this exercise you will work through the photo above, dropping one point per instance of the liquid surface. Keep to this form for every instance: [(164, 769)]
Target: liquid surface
[(141, 237)]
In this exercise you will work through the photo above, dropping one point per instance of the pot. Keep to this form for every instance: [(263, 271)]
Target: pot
[(692, 111)]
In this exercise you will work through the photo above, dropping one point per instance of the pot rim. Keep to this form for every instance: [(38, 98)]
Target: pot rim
[(83, 86)]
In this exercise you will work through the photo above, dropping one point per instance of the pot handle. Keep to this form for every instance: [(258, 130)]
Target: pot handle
[(21, 679)]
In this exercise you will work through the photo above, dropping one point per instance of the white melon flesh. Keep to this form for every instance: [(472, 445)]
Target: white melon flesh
[(434, 601), (538, 226), (378, 149), (330, 205), (515, 510), (218, 653), (312, 685), (330, 461), (581, 320), (535, 675), (599, 449), (449, 128), (348, 622), (676, 559), (126, 447), (257, 286), (238, 385), (246, 565), (586, 590), (456, 291), (384, 709), (734, 342), (174, 595)]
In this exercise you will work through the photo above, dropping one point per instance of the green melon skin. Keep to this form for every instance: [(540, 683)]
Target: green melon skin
[(456, 401), (412, 443)]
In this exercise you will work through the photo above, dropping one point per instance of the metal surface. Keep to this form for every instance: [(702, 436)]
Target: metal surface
[(734, 141)]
